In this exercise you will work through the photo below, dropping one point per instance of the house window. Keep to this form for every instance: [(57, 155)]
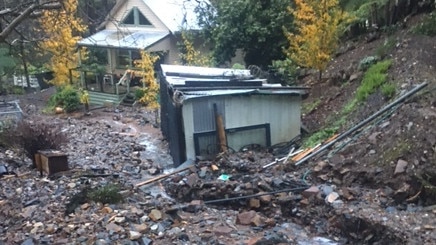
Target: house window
[(126, 58), (135, 17)]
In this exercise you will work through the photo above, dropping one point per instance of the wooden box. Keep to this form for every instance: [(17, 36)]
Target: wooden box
[(51, 161)]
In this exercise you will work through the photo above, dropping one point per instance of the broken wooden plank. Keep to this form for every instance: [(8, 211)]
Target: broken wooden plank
[(162, 177)]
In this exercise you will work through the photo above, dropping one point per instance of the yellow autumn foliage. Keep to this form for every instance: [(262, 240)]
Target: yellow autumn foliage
[(151, 88), (63, 29), (190, 56), (318, 25)]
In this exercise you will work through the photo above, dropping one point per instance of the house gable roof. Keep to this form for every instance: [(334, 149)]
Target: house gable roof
[(174, 14)]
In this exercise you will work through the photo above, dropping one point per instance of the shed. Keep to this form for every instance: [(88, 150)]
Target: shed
[(252, 111)]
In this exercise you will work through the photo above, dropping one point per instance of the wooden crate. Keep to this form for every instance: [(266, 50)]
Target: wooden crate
[(51, 161)]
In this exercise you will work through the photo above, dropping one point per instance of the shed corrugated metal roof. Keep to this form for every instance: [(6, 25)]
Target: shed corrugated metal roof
[(183, 79), (189, 95), (123, 39)]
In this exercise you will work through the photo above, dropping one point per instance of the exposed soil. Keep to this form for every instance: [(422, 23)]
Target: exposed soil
[(368, 162)]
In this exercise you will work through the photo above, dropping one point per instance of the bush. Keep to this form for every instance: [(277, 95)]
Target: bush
[(30, 137), (374, 77), (285, 70), (106, 194), (388, 90), (367, 62), (66, 97), (139, 93), (383, 50), (427, 26)]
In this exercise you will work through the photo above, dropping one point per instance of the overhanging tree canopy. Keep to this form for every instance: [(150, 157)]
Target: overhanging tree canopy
[(255, 26)]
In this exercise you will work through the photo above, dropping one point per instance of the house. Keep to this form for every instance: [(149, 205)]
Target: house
[(132, 26), (203, 109)]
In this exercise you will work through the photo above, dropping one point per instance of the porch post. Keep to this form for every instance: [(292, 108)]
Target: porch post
[(82, 77)]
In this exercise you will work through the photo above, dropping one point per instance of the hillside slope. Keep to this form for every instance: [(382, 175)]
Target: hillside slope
[(386, 172)]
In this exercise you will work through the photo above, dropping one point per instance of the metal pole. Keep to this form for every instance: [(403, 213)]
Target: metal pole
[(362, 123), (301, 188)]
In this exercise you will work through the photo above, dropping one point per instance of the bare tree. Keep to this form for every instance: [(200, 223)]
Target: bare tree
[(13, 13)]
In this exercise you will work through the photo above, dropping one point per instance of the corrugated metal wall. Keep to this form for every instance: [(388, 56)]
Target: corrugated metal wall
[(281, 112), (199, 117)]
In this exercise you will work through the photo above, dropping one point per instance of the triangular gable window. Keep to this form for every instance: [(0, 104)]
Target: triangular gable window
[(135, 17)]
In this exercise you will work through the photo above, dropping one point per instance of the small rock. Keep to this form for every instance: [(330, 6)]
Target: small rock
[(332, 197), (256, 221), (191, 180), (155, 215), (214, 167), (146, 241), (254, 203), (320, 166), (248, 218), (372, 152), (326, 189), (50, 228), (312, 191), (107, 210), (134, 235), (101, 242), (401, 167), (337, 203), (373, 137), (140, 227), (114, 227), (153, 171), (354, 76), (194, 206), (28, 242), (71, 185), (120, 220), (222, 230), (85, 206), (265, 199), (174, 232), (154, 227)]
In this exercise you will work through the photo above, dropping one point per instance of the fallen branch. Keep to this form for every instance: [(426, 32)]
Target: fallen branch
[(162, 177)]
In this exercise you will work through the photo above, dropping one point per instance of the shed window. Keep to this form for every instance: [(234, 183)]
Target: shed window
[(135, 17)]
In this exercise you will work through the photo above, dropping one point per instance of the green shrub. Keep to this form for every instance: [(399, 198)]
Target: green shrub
[(66, 97), (384, 49), (285, 70), (374, 77), (388, 90), (320, 136), (367, 62), (139, 93), (107, 194), (238, 66), (427, 26)]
